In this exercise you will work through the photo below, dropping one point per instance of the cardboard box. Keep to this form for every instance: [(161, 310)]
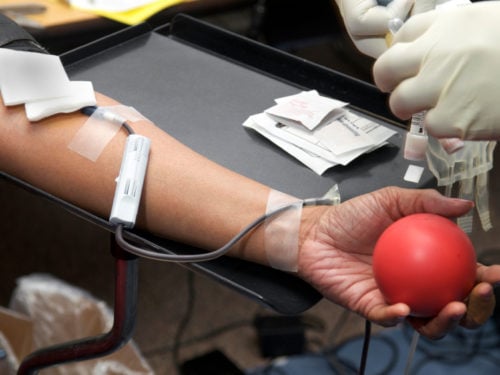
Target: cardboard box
[(16, 339)]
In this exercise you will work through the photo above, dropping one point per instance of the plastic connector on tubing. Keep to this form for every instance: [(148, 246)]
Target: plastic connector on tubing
[(104, 114), (416, 138), (130, 181), (415, 146), (112, 117)]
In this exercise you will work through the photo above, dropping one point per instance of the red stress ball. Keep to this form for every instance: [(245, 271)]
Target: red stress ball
[(425, 261)]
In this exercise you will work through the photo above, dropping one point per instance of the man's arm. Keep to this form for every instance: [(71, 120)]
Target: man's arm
[(186, 197)]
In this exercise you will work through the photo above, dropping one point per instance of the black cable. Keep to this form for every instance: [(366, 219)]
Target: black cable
[(128, 128), (366, 345), (344, 366), (468, 344)]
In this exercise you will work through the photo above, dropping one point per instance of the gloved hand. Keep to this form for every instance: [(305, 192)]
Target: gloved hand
[(366, 22), (446, 62)]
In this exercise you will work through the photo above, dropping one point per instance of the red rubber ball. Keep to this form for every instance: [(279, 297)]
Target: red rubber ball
[(425, 261)]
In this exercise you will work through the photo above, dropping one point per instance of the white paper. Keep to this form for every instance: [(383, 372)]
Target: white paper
[(339, 138), (29, 76), (307, 108), (313, 162), (306, 141)]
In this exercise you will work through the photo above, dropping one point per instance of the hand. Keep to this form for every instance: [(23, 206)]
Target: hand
[(366, 22), (336, 258), (444, 62)]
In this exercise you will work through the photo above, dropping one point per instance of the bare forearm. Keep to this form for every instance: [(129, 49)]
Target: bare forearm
[(186, 197)]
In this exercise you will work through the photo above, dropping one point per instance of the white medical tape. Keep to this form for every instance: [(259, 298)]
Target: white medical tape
[(127, 112), (281, 232), (482, 201), (466, 191), (95, 134)]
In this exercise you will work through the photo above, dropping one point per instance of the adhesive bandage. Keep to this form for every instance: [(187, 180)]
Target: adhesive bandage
[(100, 128), (282, 225), (91, 139), (281, 232)]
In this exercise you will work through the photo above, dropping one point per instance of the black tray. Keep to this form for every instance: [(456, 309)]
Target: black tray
[(199, 83)]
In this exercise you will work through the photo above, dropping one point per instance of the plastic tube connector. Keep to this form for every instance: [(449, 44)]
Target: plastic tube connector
[(415, 146), (130, 181)]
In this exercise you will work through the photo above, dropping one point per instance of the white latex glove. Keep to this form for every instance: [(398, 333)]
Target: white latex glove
[(366, 22), (446, 62), (421, 6)]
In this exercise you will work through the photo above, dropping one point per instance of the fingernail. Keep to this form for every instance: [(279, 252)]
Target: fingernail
[(487, 295), (460, 200)]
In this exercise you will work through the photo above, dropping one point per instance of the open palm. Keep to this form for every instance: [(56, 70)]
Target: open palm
[(336, 254)]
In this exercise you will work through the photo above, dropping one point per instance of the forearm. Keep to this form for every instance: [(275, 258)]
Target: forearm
[(186, 197)]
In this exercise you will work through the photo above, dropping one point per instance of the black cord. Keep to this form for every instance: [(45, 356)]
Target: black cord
[(464, 347), (345, 366), (366, 345)]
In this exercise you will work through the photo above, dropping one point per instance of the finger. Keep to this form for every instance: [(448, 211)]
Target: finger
[(400, 8), (373, 47), (488, 274), (448, 207), (388, 316), (414, 27), (411, 201), (398, 63), (437, 327), (415, 94), (459, 109), (403, 59), (480, 306), (368, 19), (440, 123)]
